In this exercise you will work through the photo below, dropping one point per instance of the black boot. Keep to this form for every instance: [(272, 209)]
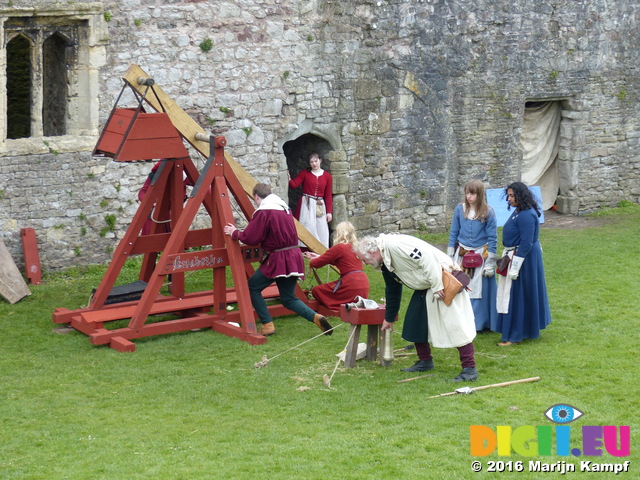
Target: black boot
[(468, 374), (420, 366)]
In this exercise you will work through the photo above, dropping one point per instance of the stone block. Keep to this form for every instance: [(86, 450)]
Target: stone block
[(599, 152), (372, 207), (567, 205), (366, 89), (361, 223), (336, 156), (340, 184), (340, 213), (378, 123), (338, 167)]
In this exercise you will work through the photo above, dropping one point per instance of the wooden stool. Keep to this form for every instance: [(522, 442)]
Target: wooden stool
[(373, 319)]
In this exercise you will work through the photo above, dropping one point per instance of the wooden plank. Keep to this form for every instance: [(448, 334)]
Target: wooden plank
[(188, 129), (122, 345), (12, 286), (111, 312)]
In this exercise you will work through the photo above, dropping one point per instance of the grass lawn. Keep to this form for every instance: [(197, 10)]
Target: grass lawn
[(192, 405)]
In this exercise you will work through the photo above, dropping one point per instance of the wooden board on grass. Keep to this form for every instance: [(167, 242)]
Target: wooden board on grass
[(12, 286)]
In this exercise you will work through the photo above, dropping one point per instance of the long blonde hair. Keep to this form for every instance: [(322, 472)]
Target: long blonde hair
[(481, 206), (345, 233)]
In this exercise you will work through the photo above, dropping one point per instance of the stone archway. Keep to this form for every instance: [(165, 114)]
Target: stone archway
[(325, 140)]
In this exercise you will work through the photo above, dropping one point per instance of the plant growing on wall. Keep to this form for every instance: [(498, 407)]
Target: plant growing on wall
[(206, 44), (110, 220)]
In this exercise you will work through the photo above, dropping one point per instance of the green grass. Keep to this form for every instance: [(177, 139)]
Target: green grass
[(192, 406)]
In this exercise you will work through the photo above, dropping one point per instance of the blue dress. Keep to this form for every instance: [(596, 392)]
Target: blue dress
[(474, 234), (528, 304)]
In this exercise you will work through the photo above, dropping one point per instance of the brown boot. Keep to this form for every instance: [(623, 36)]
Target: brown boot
[(323, 324), (267, 329)]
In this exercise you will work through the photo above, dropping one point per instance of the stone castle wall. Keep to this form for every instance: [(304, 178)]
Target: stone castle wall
[(414, 98)]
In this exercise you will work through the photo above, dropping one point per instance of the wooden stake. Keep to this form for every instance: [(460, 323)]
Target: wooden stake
[(415, 378)]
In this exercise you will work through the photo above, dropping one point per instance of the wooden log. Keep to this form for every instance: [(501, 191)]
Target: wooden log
[(12, 286)]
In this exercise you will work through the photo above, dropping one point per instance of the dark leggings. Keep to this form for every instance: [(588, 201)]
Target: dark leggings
[(466, 353)]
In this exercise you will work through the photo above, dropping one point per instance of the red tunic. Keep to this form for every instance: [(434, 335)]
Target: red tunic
[(316, 186), (352, 281), (274, 230)]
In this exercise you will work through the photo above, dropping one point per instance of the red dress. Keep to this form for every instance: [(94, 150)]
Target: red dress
[(314, 186), (353, 281)]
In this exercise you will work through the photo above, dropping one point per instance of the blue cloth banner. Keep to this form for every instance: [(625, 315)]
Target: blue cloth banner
[(497, 199)]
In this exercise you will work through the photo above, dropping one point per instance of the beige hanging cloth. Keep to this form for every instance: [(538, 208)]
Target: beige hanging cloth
[(539, 142)]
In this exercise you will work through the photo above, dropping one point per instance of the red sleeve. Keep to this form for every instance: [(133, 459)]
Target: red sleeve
[(328, 193), (296, 182), (254, 233), (329, 257)]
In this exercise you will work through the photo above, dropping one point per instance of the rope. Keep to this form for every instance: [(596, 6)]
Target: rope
[(490, 355), (157, 221), (265, 361)]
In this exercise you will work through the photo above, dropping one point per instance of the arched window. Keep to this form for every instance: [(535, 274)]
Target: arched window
[(19, 87), (50, 60), (54, 85)]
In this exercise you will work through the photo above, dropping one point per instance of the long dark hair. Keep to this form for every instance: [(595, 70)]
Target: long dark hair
[(523, 197)]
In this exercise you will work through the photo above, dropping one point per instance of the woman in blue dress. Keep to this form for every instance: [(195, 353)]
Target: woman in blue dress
[(474, 230), (522, 303)]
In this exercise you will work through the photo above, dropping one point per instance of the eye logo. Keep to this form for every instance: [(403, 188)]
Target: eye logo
[(563, 413)]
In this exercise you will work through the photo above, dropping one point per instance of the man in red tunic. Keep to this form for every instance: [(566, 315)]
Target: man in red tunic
[(273, 227)]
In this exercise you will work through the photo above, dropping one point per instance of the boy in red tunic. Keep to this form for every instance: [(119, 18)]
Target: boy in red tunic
[(273, 228)]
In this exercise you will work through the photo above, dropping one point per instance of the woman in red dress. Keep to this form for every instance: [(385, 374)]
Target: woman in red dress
[(314, 210), (352, 282)]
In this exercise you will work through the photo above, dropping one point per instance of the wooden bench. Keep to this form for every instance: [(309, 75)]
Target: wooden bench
[(372, 318)]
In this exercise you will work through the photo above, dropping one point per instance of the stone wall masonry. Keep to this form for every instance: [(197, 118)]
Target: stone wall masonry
[(414, 97)]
